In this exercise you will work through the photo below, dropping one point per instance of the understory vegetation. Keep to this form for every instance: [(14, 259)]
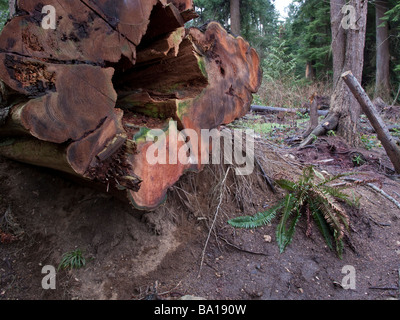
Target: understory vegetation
[(311, 196)]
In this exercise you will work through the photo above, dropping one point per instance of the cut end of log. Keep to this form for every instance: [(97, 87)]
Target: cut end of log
[(346, 74), (93, 88)]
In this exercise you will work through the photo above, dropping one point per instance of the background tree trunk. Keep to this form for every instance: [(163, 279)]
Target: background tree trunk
[(235, 17), (12, 7), (310, 71), (382, 86), (348, 54)]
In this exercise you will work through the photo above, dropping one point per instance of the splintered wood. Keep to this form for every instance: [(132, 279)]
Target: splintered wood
[(81, 95)]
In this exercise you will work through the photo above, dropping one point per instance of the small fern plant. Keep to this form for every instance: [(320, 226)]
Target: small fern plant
[(315, 199)]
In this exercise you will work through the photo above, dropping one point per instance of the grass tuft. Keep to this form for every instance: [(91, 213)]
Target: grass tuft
[(72, 260)]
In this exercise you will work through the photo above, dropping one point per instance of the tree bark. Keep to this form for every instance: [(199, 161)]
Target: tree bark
[(310, 71), (83, 97), (235, 17), (348, 42), (376, 121), (330, 123), (382, 86), (313, 116), (12, 7)]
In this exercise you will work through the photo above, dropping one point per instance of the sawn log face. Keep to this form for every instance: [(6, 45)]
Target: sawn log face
[(81, 98)]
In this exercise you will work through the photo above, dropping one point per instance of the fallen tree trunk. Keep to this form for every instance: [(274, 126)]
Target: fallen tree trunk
[(330, 123), (94, 96), (376, 121), (268, 109)]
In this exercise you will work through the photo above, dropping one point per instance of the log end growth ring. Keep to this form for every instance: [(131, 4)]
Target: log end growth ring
[(88, 91)]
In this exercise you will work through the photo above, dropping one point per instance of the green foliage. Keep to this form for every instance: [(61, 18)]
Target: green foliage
[(303, 40), (267, 128), (215, 10), (357, 160), (305, 116), (258, 19), (368, 142), (72, 260), (308, 34), (3, 13), (393, 18), (278, 62), (311, 196), (259, 23)]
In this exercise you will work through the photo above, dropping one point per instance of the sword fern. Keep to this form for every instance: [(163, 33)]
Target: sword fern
[(307, 195)]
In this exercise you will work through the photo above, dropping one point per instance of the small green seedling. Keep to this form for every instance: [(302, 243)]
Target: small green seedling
[(357, 160)]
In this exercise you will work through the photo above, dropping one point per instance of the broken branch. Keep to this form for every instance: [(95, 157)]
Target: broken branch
[(377, 123)]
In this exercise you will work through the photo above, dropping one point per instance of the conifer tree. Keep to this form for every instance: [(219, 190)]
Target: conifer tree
[(309, 36), (258, 19), (4, 12)]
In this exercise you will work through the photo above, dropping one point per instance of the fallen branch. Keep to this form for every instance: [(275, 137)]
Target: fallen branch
[(375, 188), (384, 288), (328, 124), (377, 123), (256, 108), (397, 96), (240, 249)]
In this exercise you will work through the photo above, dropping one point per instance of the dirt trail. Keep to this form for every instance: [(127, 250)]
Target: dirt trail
[(134, 255)]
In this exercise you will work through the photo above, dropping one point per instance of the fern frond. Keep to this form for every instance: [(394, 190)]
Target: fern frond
[(330, 200), (335, 192), (337, 220), (330, 195), (319, 174), (290, 232), (308, 174), (266, 217), (258, 220), (333, 220), (286, 184), (340, 212), (323, 227), (328, 208), (283, 237), (339, 245), (338, 194), (243, 222)]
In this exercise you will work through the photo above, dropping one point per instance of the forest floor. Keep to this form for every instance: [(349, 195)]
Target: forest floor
[(138, 255)]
